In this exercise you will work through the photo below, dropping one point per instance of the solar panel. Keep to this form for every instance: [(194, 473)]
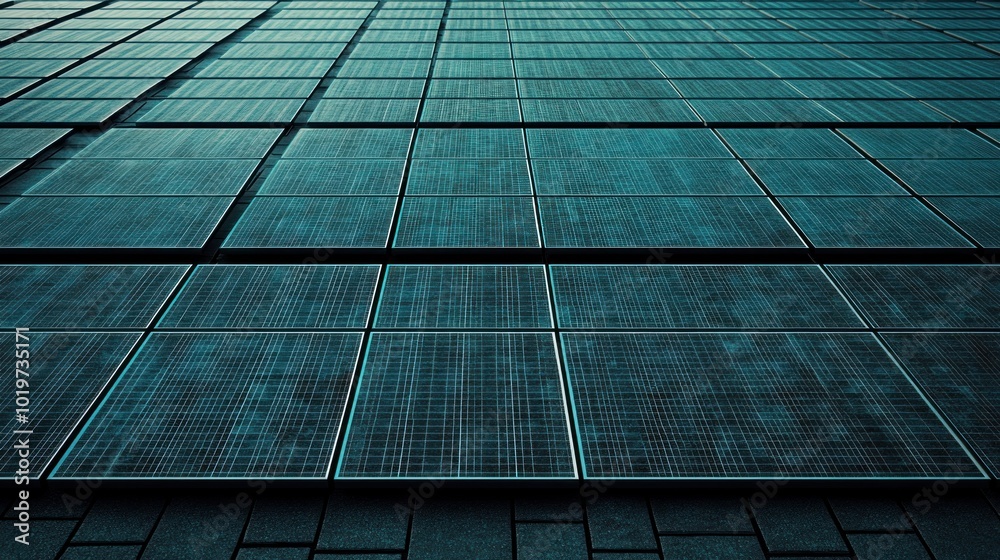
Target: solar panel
[(310, 222), (625, 143), (905, 143), (61, 112), (181, 143), (84, 88), (365, 111), (68, 371), (803, 177), (224, 111), (642, 177), (480, 176), (23, 143), (120, 222), (147, 177), (977, 216), (948, 176), (350, 143), (870, 222), (334, 177), (464, 297), (220, 406), (726, 405), (960, 373), (469, 143), (788, 143), (607, 110), (274, 297), (698, 297), (483, 222), (84, 297), (726, 111), (458, 405), (471, 110), (645, 222)]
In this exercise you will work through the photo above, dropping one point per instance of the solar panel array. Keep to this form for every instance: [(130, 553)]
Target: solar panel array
[(372, 242)]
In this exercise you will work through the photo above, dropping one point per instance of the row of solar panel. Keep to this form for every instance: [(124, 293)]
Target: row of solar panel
[(494, 406), (692, 297)]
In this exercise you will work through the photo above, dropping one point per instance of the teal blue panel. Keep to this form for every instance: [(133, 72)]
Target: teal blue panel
[(625, 143), (266, 69), (181, 143), (464, 297), (770, 111), (152, 177), (404, 68), (244, 89), (24, 143), (126, 69), (469, 143), (948, 177), (698, 297), (116, 222), (273, 222), (798, 177), (788, 143), (922, 143), (472, 88), (609, 89), (608, 110), (748, 406), (77, 112), (883, 111), (350, 143), (326, 177), (84, 296), (870, 222), (979, 217), (274, 297), (480, 176), (658, 222), (68, 372), (471, 110), (473, 222), (364, 88), (257, 111), (365, 111), (642, 177), (473, 68), (240, 383), (961, 374), (84, 88), (924, 297), (476, 405)]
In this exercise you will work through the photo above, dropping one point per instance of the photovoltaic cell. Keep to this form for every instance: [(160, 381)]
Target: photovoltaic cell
[(961, 374), (325, 177), (84, 296), (698, 297), (824, 177), (458, 405), (923, 296), (66, 375), (224, 111), (311, 222), (870, 222), (120, 222), (727, 405), (464, 297), (625, 143), (977, 216), (642, 177), (274, 297), (24, 143), (788, 143), (645, 222), (220, 406), (350, 143), (365, 111), (469, 143), (181, 143), (906, 143), (452, 221), (147, 177), (480, 176), (948, 176)]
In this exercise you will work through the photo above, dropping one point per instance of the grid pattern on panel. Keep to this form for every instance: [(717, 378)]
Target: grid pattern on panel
[(751, 405), (84, 297), (66, 374), (923, 297), (464, 297), (274, 297), (961, 374), (458, 405), (220, 405), (698, 297)]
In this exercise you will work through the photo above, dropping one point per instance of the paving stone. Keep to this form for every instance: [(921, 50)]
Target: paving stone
[(626, 556), (120, 519), (958, 525), (446, 529), (364, 522), (620, 522), (274, 553), (869, 514), (555, 541), (700, 514), (796, 524), (45, 539), (562, 507), (198, 527), (102, 552), (712, 547), (357, 557), (887, 546), (284, 519)]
